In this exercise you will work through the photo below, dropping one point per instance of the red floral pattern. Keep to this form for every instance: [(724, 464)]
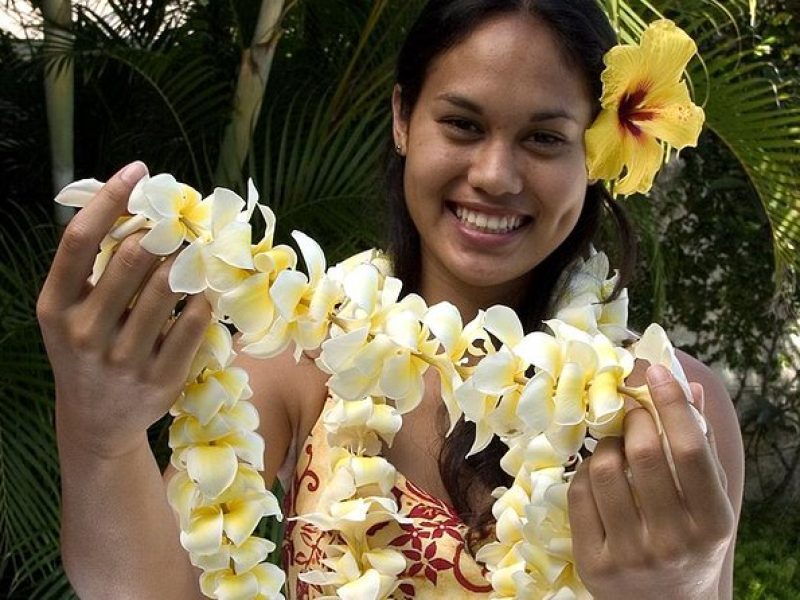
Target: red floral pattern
[(433, 544)]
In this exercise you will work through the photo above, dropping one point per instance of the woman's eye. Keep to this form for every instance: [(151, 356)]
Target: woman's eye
[(544, 138), (462, 126)]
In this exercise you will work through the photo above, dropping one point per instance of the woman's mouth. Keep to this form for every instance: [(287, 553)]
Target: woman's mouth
[(487, 223)]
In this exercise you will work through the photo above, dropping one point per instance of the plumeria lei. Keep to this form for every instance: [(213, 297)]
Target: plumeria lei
[(547, 395)]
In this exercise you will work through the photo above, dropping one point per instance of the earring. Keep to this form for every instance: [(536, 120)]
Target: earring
[(399, 149)]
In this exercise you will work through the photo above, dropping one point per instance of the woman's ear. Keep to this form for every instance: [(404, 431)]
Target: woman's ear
[(399, 123)]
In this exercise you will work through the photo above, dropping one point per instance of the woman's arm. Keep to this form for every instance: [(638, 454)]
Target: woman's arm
[(117, 370), (119, 363)]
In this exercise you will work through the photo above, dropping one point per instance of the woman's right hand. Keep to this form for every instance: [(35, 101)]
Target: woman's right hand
[(118, 367)]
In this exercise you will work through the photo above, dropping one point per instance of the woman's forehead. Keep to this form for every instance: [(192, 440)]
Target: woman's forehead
[(511, 62)]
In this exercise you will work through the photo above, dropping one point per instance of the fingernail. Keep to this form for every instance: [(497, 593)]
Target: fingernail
[(700, 403), (133, 172), (658, 375)]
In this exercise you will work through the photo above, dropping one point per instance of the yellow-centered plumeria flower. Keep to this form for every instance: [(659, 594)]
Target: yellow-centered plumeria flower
[(489, 398), (385, 357), (264, 581), (356, 574), (304, 305), (458, 343), (223, 258), (364, 423), (584, 300), (645, 105), (175, 212)]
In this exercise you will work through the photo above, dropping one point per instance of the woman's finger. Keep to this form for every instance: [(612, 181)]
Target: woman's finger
[(184, 336), (75, 256), (154, 305), (698, 397), (614, 497), (588, 534), (121, 280), (692, 456), (661, 507)]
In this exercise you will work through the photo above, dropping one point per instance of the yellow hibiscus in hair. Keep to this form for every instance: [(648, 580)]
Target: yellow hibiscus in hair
[(645, 105)]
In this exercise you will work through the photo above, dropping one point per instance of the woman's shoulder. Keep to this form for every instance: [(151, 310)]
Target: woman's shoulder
[(720, 413), (717, 404)]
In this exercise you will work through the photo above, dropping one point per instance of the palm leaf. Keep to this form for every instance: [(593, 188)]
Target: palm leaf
[(29, 491), (322, 152)]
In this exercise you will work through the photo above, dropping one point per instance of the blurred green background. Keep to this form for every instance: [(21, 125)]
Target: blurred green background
[(86, 87)]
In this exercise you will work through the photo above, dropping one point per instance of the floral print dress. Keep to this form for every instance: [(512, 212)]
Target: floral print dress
[(438, 560)]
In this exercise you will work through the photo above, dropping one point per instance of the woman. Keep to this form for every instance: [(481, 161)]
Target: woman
[(490, 204)]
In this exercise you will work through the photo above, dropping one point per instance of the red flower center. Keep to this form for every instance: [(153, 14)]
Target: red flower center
[(631, 112)]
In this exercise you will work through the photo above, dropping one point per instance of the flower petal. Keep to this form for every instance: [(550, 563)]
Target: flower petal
[(361, 286), (366, 587), (250, 553), (232, 245), (188, 274), (165, 195), (666, 50), (243, 516), (605, 159), (570, 396), (236, 587), (249, 304), (204, 533), (287, 291), (78, 193), (226, 207), (270, 580), (542, 351), (649, 154), (679, 121), (312, 255), (536, 405), (164, 238), (444, 322), (213, 468), (504, 324)]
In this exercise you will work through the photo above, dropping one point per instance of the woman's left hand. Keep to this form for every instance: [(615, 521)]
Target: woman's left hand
[(637, 534)]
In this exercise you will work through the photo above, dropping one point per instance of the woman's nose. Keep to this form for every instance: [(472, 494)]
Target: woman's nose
[(494, 169)]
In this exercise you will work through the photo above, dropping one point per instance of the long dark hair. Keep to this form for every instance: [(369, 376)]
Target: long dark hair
[(585, 35)]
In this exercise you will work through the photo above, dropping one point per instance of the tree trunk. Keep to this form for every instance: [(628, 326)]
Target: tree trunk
[(253, 76), (59, 88)]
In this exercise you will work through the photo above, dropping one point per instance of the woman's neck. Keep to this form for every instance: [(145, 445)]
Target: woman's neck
[(438, 284)]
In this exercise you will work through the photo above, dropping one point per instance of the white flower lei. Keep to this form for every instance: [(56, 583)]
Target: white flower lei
[(545, 395)]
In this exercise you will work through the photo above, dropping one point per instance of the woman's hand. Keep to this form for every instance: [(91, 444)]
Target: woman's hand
[(118, 363), (641, 536)]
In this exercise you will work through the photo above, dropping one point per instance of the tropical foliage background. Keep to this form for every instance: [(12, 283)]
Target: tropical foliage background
[(87, 86)]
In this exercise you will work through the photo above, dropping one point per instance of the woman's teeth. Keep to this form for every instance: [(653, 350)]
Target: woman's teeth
[(487, 223)]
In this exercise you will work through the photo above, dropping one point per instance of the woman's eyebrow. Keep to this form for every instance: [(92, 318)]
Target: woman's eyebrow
[(539, 115)]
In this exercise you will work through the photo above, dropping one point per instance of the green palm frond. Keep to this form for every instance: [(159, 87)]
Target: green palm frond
[(167, 67), (322, 153), (29, 490), (758, 119), (321, 177)]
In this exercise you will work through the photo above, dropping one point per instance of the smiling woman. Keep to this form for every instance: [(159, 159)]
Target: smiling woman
[(477, 144), (492, 204)]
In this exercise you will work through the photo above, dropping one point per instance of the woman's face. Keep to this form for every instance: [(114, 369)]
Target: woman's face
[(495, 173)]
